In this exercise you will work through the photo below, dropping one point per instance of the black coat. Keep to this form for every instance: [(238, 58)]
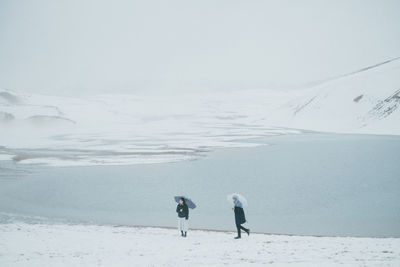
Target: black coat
[(239, 215), (183, 211)]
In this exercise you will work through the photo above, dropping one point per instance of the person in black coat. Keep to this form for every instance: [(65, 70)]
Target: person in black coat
[(240, 218), (183, 216)]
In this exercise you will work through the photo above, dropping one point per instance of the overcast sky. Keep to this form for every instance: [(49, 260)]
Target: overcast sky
[(69, 47)]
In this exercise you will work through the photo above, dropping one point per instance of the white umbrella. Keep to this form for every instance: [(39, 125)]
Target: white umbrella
[(239, 197)]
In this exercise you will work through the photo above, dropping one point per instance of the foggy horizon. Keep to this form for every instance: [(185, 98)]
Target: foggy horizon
[(92, 47)]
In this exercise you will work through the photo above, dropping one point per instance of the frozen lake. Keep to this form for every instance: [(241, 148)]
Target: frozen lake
[(312, 184)]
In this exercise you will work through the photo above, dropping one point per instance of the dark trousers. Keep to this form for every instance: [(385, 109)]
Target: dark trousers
[(240, 227)]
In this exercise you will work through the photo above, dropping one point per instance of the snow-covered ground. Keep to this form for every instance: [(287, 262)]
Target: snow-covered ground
[(92, 245), (148, 128), (154, 128)]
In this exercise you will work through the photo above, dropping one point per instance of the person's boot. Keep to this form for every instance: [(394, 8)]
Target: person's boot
[(182, 233), (248, 231), (185, 234), (239, 235)]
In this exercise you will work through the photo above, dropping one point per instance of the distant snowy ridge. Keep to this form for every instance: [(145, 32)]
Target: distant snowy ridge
[(128, 129), (353, 72)]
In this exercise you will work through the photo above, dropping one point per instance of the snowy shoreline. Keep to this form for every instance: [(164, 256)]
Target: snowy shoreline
[(23, 244), (331, 196)]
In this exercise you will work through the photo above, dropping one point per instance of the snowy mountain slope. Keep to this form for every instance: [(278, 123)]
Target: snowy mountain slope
[(365, 101), (126, 129)]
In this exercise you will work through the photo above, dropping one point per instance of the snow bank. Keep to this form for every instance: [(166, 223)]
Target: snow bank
[(91, 245)]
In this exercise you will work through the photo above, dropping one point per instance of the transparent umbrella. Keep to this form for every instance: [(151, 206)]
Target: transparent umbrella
[(237, 199)]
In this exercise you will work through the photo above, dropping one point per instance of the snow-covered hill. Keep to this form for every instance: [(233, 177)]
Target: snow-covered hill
[(365, 101), (126, 129)]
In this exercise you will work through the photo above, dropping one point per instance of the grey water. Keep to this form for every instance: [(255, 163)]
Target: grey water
[(307, 184)]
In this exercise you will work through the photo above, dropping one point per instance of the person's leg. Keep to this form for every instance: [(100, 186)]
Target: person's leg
[(245, 229), (180, 226), (238, 231), (186, 226)]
